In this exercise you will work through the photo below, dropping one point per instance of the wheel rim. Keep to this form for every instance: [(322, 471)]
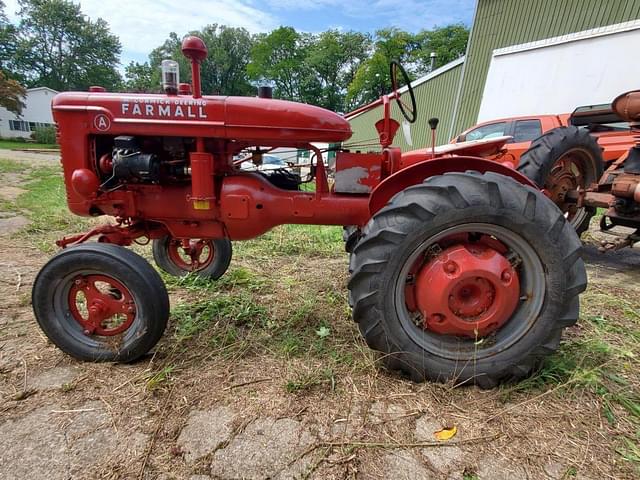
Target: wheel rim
[(191, 255), (119, 321), (469, 291), (567, 175)]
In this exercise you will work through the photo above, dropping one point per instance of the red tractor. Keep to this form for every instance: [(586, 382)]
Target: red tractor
[(462, 269)]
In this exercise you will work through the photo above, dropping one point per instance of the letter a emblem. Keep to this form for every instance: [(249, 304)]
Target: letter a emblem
[(101, 122)]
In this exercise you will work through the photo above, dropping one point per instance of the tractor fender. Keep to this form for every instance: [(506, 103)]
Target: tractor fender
[(419, 172)]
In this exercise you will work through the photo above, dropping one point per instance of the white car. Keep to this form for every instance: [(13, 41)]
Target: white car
[(269, 162)]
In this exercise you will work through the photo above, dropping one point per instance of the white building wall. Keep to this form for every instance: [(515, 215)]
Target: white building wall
[(557, 75), (37, 109)]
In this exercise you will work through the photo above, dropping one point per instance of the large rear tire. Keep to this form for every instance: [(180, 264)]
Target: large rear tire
[(562, 160), (101, 302), (485, 218)]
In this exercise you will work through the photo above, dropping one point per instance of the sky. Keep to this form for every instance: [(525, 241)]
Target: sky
[(142, 25)]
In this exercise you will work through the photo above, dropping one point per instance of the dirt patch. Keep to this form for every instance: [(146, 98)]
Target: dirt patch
[(11, 225)]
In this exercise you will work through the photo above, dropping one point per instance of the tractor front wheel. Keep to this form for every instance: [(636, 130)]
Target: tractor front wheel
[(101, 302), (205, 258), (468, 278)]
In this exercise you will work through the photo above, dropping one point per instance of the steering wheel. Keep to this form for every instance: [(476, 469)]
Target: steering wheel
[(409, 112)]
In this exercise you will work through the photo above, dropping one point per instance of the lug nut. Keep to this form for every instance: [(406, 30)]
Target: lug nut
[(506, 276), (450, 267), (437, 318)]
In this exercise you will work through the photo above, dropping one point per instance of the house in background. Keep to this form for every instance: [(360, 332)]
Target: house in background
[(37, 113)]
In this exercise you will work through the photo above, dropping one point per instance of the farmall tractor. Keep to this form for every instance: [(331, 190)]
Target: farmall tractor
[(462, 270)]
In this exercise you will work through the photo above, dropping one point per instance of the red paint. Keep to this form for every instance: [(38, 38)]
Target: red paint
[(469, 290), (85, 182), (101, 305), (419, 172)]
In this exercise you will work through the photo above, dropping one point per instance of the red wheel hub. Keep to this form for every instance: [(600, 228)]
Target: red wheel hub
[(468, 290), (191, 255), (101, 304)]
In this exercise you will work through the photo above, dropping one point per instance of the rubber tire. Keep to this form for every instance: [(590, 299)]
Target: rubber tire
[(223, 251), (133, 271), (423, 210), (350, 236), (537, 161)]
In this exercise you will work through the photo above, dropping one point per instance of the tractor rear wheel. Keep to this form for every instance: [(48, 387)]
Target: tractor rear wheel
[(101, 302), (564, 160), (466, 277), (205, 258)]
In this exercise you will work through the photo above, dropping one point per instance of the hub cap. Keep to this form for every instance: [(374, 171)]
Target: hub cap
[(101, 305), (468, 289)]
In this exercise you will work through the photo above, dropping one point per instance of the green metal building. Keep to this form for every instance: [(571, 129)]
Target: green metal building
[(454, 92)]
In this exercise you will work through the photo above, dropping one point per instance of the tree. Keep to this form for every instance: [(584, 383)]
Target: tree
[(58, 47), (372, 77), (7, 40), (223, 72), (280, 58), (448, 43), (11, 94), (334, 58), (141, 78)]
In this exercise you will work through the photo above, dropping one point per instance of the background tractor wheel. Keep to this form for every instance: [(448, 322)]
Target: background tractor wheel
[(350, 236), (562, 160), (467, 278), (101, 302), (206, 258)]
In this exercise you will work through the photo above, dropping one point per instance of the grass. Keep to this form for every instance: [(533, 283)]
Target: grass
[(12, 144), (45, 202), (9, 166)]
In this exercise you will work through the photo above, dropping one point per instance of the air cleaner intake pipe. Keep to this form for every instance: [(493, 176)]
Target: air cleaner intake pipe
[(195, 50)]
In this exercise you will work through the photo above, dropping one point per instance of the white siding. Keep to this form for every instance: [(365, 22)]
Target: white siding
[(557, 75), (37, 109)]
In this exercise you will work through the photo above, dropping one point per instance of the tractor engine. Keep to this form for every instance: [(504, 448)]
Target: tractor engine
[(143, 160)]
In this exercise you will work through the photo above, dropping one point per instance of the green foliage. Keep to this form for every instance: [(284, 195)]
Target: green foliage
[(372, 77), (45, 135), (11, 94), (448, 43), (222, 73), (59, 47), (141, 78), (7, 41), (334, 58), (279, 57)]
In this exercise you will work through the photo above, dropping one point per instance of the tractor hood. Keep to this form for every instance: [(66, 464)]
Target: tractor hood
[(236, 118)]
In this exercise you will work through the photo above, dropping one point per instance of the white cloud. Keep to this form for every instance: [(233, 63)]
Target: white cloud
[(142, 25)]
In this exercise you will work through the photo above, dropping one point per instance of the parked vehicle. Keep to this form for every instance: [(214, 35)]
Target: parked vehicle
[(267, 163), (612, 135), (462, 270)]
